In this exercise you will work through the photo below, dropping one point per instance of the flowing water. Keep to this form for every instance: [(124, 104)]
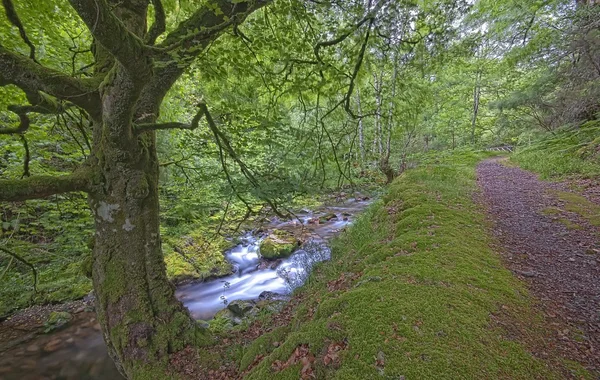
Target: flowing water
[(82, 353)]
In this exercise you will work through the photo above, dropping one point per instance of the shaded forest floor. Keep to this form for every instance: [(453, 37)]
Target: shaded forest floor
[(549, 237)]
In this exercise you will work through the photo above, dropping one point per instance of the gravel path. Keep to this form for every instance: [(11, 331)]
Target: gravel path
[(560, 264)]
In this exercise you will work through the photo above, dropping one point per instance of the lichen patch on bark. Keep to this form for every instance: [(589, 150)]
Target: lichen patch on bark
[(105, 211)]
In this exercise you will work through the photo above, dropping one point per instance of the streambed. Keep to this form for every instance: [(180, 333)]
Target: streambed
[(78, 351)]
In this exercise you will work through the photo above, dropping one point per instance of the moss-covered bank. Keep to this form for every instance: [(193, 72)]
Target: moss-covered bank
[(413, 291)]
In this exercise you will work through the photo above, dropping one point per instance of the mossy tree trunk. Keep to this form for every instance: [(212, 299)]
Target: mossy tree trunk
[(141, 319)]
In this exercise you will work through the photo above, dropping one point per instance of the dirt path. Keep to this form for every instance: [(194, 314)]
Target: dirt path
[(554, 250)]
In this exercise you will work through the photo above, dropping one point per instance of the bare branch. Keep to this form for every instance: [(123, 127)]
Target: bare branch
[(27, 157), (31, 78), (19, 258), (42, 186), (223, 143)]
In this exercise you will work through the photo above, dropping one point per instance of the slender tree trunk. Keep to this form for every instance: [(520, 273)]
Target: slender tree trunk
[(361, 132), (379, 101), (476, 96)]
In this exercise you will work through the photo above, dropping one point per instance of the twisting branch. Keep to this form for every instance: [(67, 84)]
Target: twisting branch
[(369, 17), (140, 128), (44, 105), (104, 26), (223, 143), (33, 78), (24, 122), (13, 17), (30, 265), (159, 26), (42, 186), (357, 67)]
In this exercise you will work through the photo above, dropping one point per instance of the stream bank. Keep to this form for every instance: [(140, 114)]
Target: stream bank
[(77, 351)]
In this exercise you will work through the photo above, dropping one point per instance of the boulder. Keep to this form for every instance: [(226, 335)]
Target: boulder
[(56, 320), (228, 315), (327, 217), (240, 308), (272, 296), (277, 245)]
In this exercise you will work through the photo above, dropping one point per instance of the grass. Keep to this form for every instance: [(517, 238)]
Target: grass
[(557, 214), (568, 152), (578, 204), (413, 291)]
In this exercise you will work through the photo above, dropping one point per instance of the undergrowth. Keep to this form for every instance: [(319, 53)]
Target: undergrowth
[(567, 152), (413, 290)]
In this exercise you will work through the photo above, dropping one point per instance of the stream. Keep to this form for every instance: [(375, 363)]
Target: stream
[(78, 351)]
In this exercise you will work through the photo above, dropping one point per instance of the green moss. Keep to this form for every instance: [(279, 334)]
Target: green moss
[(581, 206), (278, 244), (195, 254), (556, 213), (429, 311), (56, 320)]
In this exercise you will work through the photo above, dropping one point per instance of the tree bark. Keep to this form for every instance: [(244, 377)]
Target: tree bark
[(476, 96), (361, 132), (141, 319)]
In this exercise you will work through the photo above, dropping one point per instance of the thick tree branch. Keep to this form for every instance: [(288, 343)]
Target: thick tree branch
[(114, 36), (140, 128), (31, 78), (24, 122), (42, 186), (191, 38), (159, 26)]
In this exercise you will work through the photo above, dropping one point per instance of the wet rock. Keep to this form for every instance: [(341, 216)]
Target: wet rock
[(33, 348), (269, 264), (53, 345), (271, 296), (57, 320), (327, 217), (240, 308), (228, 315), (278, 244)]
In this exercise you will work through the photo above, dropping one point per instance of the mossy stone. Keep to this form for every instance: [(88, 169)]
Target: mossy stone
[(277, 245)]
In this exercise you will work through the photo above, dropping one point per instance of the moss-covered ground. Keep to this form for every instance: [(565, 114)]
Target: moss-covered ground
[(413, 290)]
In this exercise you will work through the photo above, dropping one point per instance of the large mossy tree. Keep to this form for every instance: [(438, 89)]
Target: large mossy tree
[(141, 319)]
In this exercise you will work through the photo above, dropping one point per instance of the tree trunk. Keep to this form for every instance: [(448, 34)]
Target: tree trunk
[(141, 319), (476, 96), (378, 100), (361, 132)]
